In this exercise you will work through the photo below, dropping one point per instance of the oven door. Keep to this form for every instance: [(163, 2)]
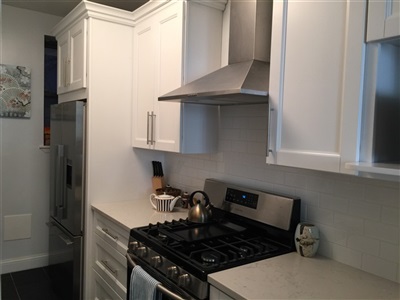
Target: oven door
[(169, 290)]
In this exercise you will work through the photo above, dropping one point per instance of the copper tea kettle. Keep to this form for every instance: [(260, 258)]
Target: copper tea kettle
[(199, 213)]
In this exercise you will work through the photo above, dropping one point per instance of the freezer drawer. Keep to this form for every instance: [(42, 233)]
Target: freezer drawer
[(65, 262)]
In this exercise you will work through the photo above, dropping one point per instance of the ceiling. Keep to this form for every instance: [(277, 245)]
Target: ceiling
[(63, 7)]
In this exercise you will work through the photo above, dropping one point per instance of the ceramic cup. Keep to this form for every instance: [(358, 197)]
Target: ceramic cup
[(306, 239)]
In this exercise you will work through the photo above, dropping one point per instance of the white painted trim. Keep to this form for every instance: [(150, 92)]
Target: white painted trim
[(375, 168), (148, 8), (153, 5), (323, 161), (86, 9), (24, 263)]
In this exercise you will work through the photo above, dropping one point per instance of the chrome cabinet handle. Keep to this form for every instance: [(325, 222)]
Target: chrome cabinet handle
[(108, 267), (152, 128), (148, 128), (105, 230), (68, 71), (65, 73), (269, 150)]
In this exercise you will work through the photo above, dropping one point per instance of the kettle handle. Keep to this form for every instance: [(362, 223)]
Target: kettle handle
[(205, 198)]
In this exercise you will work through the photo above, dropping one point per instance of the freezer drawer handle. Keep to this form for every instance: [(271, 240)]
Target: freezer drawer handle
[(67, 241), (105, 264), (110, 234)]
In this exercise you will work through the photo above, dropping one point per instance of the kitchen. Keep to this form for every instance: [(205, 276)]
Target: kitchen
[(358, 217)]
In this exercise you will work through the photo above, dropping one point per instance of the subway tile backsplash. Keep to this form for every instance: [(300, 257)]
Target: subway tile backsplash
[(358, 217)]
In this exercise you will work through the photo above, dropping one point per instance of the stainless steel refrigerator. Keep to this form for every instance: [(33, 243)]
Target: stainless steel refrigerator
[(67, 198)]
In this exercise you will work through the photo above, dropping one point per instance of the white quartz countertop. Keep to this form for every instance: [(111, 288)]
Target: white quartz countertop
[(292, 276), (136, 213)]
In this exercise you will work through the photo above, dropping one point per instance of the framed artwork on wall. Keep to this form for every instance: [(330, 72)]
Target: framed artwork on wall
[(15, 91)]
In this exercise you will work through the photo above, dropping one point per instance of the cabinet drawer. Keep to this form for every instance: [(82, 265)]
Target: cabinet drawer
[(110, 264), (102, 291), (116, 236)]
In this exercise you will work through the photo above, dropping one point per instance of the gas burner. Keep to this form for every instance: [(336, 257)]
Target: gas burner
[(270, 248), (245, 251), (210, 257), (162, 237)]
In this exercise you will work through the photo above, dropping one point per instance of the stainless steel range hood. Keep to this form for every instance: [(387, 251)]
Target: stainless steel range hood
[(245, 80)]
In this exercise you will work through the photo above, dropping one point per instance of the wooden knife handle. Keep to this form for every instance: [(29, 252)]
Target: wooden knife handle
[(158, 182)]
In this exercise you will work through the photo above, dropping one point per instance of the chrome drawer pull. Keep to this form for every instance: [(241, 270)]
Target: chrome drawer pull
[(110, 234), (105, 264)]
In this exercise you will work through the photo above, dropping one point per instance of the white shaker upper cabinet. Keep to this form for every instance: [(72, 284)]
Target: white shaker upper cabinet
[(71, 58), (315, 86), (177, 43), (383, 19)]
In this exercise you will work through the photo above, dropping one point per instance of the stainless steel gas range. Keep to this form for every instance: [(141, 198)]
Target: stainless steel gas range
[(247, 225)]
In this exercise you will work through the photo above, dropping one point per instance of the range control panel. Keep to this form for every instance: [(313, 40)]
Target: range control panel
[(242, 198)]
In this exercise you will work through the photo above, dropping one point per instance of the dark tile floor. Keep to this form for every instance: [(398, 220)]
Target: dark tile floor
[(27, 285)]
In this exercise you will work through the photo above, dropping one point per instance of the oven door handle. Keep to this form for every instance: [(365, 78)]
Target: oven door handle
[(160, 287)]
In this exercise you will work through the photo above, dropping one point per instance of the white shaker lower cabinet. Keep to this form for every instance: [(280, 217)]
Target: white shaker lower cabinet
[(102, 291), (109, 269), (316, 83), (383, 19), (175, 44)]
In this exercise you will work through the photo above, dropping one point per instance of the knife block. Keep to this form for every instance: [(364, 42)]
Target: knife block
[(158, 182)]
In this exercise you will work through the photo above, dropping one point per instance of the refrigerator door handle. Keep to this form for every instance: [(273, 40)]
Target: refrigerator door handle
[(60, 189)]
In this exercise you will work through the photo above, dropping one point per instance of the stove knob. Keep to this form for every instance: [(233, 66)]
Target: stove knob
[(141, 251), (184, 280), (172, 272), (134, 245), (156, 261)]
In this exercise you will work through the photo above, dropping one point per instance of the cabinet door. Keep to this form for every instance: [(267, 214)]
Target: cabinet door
[(62, 61), (169, 77), (77, 62), (72, 59), (383, 19), (157, 70), (161, 55), (144, 70), (316, 72)]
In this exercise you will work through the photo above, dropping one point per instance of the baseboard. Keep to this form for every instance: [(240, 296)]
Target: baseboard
[(24, 263)]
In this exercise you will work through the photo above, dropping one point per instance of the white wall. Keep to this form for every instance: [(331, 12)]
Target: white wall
[(24, 168), (358, 218)]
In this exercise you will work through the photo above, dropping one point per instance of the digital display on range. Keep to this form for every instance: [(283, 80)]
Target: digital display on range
[(242, 198)]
